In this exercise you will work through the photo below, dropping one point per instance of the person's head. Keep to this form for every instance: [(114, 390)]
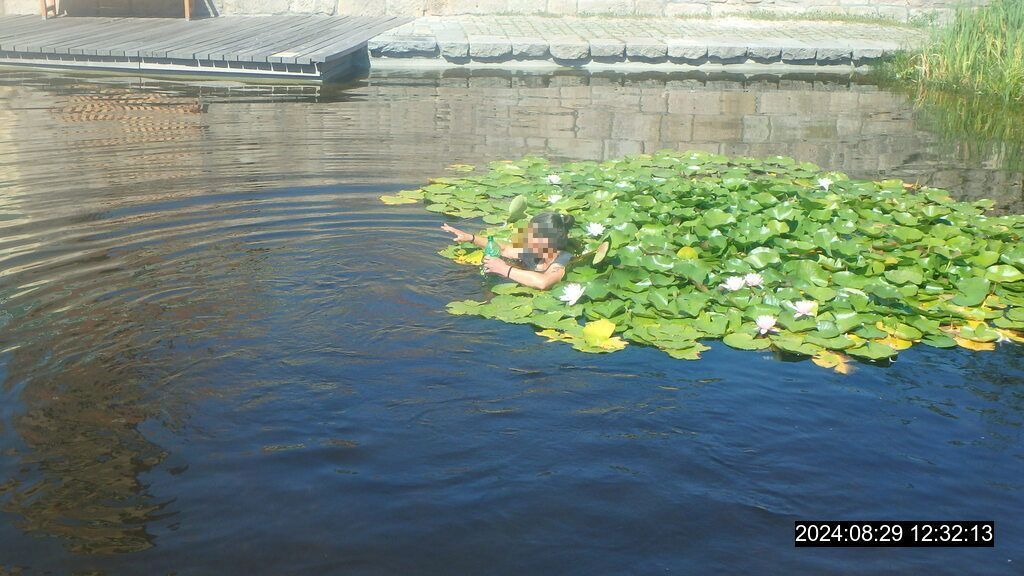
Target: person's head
[(549, 231)]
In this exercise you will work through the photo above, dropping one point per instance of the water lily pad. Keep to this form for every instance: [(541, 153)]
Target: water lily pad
[(1003, 273), (697, 246), (394, 200), (744, 341)]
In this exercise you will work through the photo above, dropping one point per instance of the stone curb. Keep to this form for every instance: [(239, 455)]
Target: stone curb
[(574, 51)]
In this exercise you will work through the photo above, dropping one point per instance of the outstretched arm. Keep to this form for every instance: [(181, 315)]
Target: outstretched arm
[(538, 280), (507, 250)]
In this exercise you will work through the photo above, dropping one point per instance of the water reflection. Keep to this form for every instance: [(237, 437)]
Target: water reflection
[(170, 251)]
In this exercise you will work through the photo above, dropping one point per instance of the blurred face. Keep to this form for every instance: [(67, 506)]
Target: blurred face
[(537, 239)]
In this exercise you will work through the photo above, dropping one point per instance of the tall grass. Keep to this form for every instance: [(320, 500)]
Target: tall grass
[(981, 51)]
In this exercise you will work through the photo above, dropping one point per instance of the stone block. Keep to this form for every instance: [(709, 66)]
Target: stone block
[(620, 148), (361, 7), (677, 127), (524, 47), (406, 7), (645, 49), (848, 125), (561, 7), (707, 128), (607, 7), (799, 53), (693, 103), (833, 54), (402, 46), (569, 48), (633, 126), (654, 101), (576, 148), (764, 50), (727, 52), (593, 123), (686, 9), (756, 128), (737, 103), (649, 7), (867, 55), (686, 50), (607, 48), (489, 47)]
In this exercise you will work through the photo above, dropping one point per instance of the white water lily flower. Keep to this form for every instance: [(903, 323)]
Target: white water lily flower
[(734, 283), (824, 183), (1002, 338), (765, 324), (554, 198), (804, 308), (554, 179), (571, 293), (753, 279), (595, 229)]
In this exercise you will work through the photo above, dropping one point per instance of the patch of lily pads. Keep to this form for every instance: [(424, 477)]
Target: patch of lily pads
[(678, 248)]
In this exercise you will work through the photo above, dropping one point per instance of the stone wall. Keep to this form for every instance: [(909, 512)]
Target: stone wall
[(895, 9)]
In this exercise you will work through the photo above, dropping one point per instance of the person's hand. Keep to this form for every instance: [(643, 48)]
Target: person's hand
[(460, 236), (495, 266)]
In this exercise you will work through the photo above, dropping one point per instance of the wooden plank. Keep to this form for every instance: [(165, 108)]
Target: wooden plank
[(13, 24), (283, 49), (332, 53), (52, 35), (160, 47), (198, 47), (221, 42), (241, 51), (264, 48), (136, 45), (41, 31), (331, 36), (312, 33), (182, 47), (350, 38), (89, 40), (131, 44), (64, 44), (38, 34), (92, 45)]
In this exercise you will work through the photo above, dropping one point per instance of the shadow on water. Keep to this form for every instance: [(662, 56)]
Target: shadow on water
[(220, 353)]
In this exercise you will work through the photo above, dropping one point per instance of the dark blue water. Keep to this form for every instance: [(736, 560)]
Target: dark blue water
[(220, 353)]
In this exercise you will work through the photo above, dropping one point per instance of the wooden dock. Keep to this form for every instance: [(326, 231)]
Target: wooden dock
[(309, 46)]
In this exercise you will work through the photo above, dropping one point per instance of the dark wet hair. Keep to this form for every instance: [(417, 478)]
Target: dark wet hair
[(554, 227)]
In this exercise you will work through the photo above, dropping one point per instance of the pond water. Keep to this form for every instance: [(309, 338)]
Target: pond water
[(219, 353)]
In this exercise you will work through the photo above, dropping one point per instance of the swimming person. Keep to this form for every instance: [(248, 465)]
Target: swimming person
[(541, 262)]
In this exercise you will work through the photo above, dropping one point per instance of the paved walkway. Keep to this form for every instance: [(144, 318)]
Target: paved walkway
[(521, 40)]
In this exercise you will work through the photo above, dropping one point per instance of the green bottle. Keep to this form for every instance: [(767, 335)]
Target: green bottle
[(491, 249)]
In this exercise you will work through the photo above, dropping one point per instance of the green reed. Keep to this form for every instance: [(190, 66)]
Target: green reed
[(980, 51)]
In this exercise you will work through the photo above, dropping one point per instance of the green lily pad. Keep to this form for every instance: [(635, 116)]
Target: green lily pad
[(744, 341), (700, 246)]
